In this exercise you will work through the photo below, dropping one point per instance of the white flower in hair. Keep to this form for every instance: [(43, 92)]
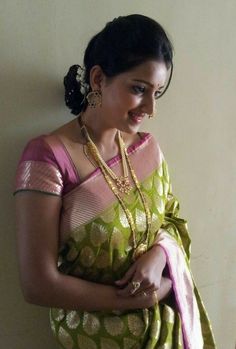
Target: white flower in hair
[(80, 77)]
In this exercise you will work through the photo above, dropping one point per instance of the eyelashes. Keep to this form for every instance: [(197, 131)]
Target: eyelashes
[(140, 90)]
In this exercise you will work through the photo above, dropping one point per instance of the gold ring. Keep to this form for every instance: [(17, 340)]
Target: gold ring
[(136, 285)]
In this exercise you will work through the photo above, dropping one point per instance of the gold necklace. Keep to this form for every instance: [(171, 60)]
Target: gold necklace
[(122, 182), (142, 247), (87, 156)]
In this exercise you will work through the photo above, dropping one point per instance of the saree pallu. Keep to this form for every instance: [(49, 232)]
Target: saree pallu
[(96, 245)]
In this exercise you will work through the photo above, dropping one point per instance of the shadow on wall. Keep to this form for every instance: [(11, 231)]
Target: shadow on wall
[(31, 101)]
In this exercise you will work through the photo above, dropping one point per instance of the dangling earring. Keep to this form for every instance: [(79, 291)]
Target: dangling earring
[(150, 116), (94, 99)]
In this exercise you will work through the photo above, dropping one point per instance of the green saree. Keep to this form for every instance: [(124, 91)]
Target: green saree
[(96, 245)]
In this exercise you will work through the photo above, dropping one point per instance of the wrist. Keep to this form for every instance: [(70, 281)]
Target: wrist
[(159, 253)]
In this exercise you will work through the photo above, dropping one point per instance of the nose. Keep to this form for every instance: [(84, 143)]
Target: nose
[(149, 104)]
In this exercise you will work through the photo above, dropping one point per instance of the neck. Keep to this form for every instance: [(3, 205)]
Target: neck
[(102, 135)]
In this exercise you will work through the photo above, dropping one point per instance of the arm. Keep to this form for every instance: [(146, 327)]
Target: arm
[(37, 217), (148, 270)]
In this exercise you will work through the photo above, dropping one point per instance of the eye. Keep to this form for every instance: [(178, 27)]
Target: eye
[(158, 94), (138, 89)]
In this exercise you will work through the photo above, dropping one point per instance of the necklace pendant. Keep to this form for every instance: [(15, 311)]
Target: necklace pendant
[(123, 184), (139, 251)]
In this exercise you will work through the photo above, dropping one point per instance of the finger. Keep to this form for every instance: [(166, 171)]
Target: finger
[(127, 277), (143, 291), (129, 290)]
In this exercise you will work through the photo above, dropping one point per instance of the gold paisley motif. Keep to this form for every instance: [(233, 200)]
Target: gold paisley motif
[(166, 172), (58, 314), (65, 338), (114, 325), (166, 188), (103, 259), (117, 238), (108, 216), (155, 329), (166, 346), (159, 203), (52, 324), (107, 343), (168, 314), (140, 220), (130, 343), (85, 342), (72, 254), (155, 222), (91, 324), (87, 256), (147, 183), (79, 234), (135, 324), (72, 319), (98, 234), (148, 198), (159, 186), (123, 219), (160, 170)]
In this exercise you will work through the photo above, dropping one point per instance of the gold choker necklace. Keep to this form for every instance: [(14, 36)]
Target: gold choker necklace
[(142, 246), (122, 182)]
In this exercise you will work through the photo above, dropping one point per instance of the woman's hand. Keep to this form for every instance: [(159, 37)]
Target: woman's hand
[(147, 300), (145, 273)]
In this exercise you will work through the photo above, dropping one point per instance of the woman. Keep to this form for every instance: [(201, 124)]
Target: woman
[(99, 237)]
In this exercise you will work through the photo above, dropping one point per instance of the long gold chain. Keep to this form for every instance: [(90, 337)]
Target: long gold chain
[(122, 182), (142, 247)]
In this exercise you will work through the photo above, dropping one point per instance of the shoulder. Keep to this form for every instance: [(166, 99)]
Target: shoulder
[(38, 149), (37, 169), (153, 143)]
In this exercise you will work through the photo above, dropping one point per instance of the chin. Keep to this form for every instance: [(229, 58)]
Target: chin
[(132, 130)]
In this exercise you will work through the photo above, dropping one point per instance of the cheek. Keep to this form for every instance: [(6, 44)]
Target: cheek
[(120, 100)]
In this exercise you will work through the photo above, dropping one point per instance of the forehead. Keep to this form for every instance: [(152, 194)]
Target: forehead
[(151, 71)]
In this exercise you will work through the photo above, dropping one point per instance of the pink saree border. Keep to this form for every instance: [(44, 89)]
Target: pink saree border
[(184, 291), (94, 192), (114, 161)]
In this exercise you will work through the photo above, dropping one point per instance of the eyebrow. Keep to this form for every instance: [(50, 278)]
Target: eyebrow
[(146, 82)]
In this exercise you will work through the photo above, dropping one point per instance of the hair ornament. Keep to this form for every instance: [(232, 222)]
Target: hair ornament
[(80, 77)]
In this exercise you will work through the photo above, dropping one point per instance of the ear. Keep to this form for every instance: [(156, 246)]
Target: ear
[(97, 77)]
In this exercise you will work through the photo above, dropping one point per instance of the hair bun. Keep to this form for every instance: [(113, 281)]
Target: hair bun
[(73, 96)]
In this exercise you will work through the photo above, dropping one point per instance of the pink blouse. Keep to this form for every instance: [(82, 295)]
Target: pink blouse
[(46, 166)]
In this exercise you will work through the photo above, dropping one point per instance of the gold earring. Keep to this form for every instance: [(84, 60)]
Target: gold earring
[(151, 116), (94, 99)]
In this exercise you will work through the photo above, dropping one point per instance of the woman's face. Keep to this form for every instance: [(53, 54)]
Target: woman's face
[(131, 96)]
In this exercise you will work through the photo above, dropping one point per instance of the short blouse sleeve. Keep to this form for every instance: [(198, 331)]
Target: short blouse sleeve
[(38, 169)]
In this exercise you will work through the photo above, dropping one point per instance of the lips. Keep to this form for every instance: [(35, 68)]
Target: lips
[(135, 117)]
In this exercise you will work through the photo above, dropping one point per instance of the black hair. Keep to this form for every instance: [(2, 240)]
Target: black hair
[(124, 43)]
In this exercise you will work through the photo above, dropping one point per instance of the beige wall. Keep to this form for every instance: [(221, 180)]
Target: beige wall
[(196, 128)]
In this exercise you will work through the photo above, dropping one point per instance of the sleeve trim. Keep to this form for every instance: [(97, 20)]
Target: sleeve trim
[(37, 191), (38, 175)]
